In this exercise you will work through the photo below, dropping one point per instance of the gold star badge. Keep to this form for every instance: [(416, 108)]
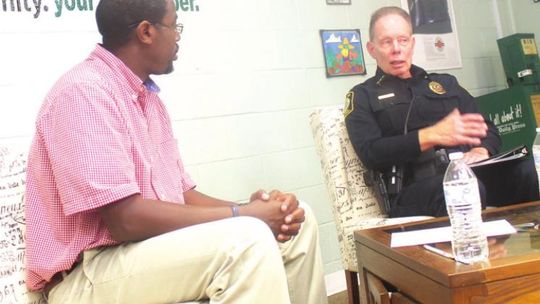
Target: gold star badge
[(349, 106), (436, 87)]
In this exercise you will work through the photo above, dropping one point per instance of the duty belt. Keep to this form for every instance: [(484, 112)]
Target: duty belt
[(429, 163)]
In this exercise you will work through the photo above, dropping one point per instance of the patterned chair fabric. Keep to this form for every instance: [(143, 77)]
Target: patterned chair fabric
[(13, 155), (353, 203), (12, 225)]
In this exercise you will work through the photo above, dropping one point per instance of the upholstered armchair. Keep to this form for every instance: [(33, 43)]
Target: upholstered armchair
[(13, 155), (353, 203)]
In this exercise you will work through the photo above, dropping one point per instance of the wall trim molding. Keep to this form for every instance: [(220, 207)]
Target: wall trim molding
[(335, 282)]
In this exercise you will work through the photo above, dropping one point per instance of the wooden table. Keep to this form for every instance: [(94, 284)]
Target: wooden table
[(512, 274)]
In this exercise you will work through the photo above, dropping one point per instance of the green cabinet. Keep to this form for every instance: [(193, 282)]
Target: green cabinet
[(516, 110)]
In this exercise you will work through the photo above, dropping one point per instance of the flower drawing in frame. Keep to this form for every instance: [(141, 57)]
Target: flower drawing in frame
[(343, 53)]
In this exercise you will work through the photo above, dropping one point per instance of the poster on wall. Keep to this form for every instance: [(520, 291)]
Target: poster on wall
[(342, 51), (435, 32)]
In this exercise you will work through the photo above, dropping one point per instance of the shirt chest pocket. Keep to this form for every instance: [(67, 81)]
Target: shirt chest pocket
[(390, 113), (432, 107), (166, 174)]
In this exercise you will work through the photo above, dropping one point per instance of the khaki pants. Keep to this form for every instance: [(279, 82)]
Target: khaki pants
[(235, 260)]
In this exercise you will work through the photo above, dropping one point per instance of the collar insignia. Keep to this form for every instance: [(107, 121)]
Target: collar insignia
[(380, 80), (437, 88), (349, 105)]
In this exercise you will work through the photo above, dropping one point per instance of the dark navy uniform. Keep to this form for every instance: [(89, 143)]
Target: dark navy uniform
[(383, 117)]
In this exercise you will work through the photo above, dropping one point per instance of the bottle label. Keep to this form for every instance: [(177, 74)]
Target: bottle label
[(457, 193)]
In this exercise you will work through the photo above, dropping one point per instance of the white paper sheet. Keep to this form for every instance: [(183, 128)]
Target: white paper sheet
[(443, 234)]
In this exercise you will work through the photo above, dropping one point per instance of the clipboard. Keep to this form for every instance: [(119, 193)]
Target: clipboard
[(512, 154)]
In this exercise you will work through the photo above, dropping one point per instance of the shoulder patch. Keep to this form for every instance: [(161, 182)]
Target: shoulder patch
[(349, 104), (436, 88)]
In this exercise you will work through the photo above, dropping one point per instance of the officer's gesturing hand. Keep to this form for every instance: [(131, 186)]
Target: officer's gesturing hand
[(453, 130)]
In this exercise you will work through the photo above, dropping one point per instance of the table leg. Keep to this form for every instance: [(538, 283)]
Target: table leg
[(351, 277)]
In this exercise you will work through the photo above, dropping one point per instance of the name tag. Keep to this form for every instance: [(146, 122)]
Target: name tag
[(386, 96)]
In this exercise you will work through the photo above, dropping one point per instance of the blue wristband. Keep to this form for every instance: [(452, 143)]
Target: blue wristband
[(234, 209)]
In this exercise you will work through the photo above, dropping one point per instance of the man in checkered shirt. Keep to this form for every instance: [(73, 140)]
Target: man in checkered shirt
[(113, 217)]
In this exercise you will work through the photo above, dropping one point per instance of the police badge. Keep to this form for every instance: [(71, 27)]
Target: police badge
[(437, 88)]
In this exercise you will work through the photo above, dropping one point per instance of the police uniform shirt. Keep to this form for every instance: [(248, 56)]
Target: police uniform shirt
[(383, 115)]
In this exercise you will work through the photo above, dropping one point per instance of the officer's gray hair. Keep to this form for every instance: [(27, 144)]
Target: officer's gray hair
[(385, 11)]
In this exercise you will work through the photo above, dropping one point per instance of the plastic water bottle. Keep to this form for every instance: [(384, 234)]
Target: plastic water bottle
[(469, 243), (536, 152)]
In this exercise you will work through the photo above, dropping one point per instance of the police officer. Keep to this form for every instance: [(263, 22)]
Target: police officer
[(404, 121)]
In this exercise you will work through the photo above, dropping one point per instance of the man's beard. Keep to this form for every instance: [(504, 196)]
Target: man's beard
[(169, 69)]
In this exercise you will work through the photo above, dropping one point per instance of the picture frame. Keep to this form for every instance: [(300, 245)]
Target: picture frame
[(343, 52), (338, 2), (435, 33)]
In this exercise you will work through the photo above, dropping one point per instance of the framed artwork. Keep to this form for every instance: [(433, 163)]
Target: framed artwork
[(343, 2), (342, 52)]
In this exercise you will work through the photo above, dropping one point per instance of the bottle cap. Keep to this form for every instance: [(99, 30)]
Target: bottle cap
[(537, 130), (455, 155)]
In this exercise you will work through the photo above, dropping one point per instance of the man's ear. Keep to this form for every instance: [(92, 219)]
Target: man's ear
[(145, 32), (370, 48)]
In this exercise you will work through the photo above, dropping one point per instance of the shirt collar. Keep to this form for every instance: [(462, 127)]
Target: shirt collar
[(136, 85), (151, 86), (416, 72)]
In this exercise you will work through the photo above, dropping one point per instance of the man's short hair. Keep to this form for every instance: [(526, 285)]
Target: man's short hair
[(116, 19), (384, 11)]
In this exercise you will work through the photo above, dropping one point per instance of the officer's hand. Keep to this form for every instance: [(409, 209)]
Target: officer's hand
[(453, 130), (475, 155)]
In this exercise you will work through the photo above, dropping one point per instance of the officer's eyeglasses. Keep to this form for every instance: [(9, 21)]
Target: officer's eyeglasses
[(389, 42)]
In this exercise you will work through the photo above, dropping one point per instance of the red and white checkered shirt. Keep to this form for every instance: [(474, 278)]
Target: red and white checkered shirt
[(101, 135)]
